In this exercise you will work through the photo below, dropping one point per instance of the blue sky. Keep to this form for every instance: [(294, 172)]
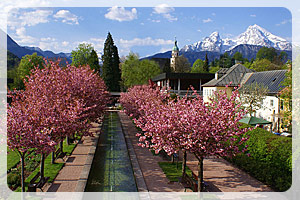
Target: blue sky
[(142, 30)]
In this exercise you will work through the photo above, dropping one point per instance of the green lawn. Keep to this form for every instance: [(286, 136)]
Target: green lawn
[(13, 158), (172, 172), (51, 170)]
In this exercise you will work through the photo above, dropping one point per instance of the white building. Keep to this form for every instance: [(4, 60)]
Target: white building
[(238, 75)]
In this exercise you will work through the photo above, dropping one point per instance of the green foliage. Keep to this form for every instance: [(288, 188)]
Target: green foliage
[(27, 63), (173, 170), (81, 55), (136, 72), (252, 95), (93, 61), (12, 61), (226, 61), (85, 55), (182, 65), (270, 159), (264, 65), (214, 69), (206, 66), (13, 158), (110, 70), (286, 96), (14, 180), (238, 56), (198, 66)]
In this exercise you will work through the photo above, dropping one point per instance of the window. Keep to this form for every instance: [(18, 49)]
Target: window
[(272, 102)]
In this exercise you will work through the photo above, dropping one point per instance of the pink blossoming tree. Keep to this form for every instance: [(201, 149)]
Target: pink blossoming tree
[(56, 103), (189, 124)]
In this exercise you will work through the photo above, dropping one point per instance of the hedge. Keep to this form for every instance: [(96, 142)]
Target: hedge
[(270, 159)]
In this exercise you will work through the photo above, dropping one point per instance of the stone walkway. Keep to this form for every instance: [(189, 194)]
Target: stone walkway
[(220, 175), (76, 165)]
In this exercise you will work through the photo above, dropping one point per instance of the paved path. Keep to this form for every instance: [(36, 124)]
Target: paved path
[(69, 176), (220, 175), (155, 179)]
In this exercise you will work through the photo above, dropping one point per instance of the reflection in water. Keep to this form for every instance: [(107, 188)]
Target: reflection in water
[(111, 170)]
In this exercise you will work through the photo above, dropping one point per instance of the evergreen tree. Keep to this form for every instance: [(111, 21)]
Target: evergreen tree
[(205, 66), (93, 61), (110, 69)]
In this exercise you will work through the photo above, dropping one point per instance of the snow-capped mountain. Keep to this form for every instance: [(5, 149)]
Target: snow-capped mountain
[(254, 35)]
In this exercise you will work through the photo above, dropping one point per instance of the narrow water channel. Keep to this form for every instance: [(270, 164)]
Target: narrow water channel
[(111, 170)]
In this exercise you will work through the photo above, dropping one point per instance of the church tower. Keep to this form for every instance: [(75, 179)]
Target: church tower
[(175, 54)]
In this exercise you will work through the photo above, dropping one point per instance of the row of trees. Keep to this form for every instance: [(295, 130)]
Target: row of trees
[(186, 124), (56, 102)]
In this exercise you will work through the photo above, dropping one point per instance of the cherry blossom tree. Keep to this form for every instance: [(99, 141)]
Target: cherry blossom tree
[(56, 103), (189, 124), (23, 133)]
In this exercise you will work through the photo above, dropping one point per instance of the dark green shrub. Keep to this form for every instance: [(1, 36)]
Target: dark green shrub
[(269, 160), (13, 180)]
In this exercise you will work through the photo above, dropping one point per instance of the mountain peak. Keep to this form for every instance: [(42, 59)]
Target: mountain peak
[(254, 35)]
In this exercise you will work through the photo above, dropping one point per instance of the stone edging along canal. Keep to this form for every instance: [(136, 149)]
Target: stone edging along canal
[(139, 179), (88, 163)]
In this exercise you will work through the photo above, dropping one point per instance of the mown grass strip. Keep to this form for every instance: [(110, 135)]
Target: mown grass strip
[(173, 170)]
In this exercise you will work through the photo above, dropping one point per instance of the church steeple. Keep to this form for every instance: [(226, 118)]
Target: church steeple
[(175, 48), (175, 54)]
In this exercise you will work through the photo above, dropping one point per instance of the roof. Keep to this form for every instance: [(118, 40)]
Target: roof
[(175, 48), (254, 121), (271, 79), (232, 76), (164, 76)]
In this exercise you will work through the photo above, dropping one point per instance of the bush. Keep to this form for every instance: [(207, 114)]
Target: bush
[(13, 180), (270, 159)]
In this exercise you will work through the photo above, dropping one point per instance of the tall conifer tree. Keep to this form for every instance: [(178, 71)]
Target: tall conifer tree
[(205, 66), (110, 69)]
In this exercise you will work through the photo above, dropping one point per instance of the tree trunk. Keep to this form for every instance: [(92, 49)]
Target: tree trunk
[(52, 157), (22, 155), (200, 173), (42, 165), (61, 145), (183, 163), (172, 158), (68, 140)]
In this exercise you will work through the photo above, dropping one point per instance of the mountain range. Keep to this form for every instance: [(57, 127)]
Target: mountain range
[(247, 43), (254, 35), (21, 51)]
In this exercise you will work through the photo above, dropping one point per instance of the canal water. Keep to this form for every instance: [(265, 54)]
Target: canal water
[(111, 170)]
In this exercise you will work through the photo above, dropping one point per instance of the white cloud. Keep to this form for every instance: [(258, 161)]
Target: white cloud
[(252, 15), (165, 10), (66, 17), (65, 43), (47, 39), (199, 30), (207, 20), (120, 14), (18, 19), (98, 43), (284, 22), (22, 38), (162, 9)]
